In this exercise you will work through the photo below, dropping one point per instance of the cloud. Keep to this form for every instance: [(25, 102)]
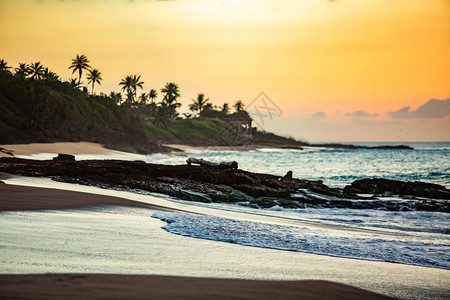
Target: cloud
[(433, 109), (361, 114), (317, 116)]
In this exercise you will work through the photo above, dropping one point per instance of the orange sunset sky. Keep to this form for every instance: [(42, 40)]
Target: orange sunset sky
[(342, 70)]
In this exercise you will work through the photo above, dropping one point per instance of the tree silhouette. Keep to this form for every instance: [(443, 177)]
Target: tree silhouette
[(143, 98), (36, 71), (79, 64), (4, 68), (152, 95), (47, 74), (130, 84), (74, 82), (94, 76), (225, 108), (199, 103), (22, 71), (117, 97), (136, 80), (171, 94), (238, 105), (127, 85)]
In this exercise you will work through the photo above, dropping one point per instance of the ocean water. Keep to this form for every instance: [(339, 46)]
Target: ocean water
[(429, 162), (418, 238), (406, 237)]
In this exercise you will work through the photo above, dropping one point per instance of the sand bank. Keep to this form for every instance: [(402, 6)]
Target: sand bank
[(67, 148), (95, 286)]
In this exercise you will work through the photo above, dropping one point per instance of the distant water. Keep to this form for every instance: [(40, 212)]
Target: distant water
[(428, 162)]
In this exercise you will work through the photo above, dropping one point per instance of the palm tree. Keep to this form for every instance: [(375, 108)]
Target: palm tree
[(22, 71), (79, 64), (4, 68), (117, 97), (199, 103), (238, 105), (152, 95), (47, 74), (127, 85), (137, 83), (171, 92), (225, 108), (36, 70), (73, 82), (143, 98), (94, 76)]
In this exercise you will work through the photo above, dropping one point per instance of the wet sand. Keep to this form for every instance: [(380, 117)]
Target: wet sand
[(16, 197), (102, 286)]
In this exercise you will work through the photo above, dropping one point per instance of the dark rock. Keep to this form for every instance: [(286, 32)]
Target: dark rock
[(64, 157), (353, 147), (197, 183), (395, 187), (288, 175)]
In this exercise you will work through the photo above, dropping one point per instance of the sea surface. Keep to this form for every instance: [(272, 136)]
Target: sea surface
[(406, 237), (412, 237)]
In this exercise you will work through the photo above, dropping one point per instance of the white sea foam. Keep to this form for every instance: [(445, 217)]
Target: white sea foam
[(405, 249)]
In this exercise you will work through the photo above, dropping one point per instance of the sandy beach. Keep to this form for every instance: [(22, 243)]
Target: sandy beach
[(63, 147), (94, 286)]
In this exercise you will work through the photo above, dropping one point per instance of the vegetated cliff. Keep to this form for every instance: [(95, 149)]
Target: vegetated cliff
[(53, 111)]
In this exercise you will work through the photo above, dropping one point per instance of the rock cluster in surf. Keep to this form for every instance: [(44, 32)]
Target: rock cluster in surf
[(197, 183)]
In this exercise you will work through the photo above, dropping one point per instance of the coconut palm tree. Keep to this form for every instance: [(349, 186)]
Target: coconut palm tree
[(79, 64), (225, 109), (117, 97), (152, 95), (171, 92), (94, 76), (36, 71), (143, 98), (127, 85), (4, 65), (199, 103), (4, 68), (74, 82), (137, 83), (47, 74), (239, 106), (22, 71)]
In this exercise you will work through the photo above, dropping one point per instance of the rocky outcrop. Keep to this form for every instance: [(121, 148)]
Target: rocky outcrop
[(393, 187), (198, 183)]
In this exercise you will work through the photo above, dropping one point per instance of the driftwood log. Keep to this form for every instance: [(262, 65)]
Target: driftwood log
[(209, 164)]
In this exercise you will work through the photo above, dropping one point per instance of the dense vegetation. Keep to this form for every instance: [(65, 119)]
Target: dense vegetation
[(49, 110), (36, 106)]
